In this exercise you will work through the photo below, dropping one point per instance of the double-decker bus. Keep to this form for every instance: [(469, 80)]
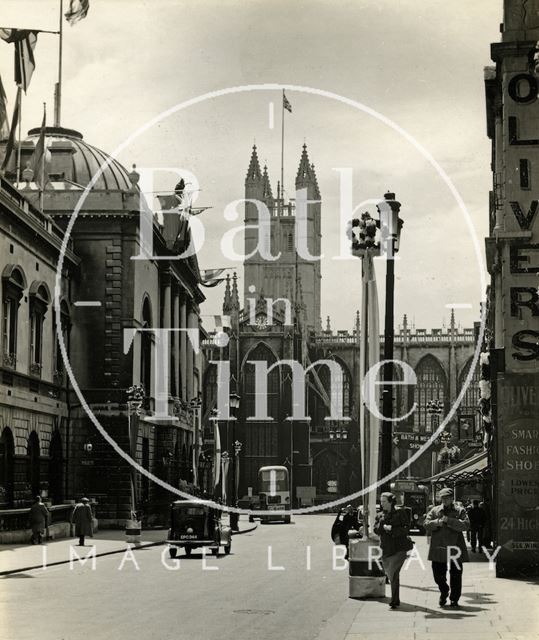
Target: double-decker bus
[(412, 496), (274, 493)]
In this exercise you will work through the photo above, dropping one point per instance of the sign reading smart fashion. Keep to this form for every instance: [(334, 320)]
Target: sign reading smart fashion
[(518, 471)]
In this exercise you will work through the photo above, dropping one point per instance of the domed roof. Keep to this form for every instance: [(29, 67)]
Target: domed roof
[(86, 160)]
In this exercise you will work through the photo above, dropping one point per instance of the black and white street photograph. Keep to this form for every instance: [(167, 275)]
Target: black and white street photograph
[(269, 330)]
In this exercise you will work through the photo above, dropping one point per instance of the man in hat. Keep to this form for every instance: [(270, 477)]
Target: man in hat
[(446, 523), (82, 519), (39, 520)]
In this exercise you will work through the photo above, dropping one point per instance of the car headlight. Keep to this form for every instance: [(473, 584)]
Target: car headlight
[(416, 516)]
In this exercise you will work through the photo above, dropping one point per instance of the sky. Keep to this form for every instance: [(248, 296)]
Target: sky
[(418, 65)]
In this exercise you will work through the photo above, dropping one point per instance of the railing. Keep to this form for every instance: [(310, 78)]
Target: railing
[(412, 338), (19, 519)]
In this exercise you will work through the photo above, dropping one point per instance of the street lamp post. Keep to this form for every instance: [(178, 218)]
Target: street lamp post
[(390, 228), (135, 401), (234, 401)]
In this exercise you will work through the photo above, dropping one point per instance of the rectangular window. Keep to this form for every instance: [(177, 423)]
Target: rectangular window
[(9, 326), (36, 335), (525, 174)]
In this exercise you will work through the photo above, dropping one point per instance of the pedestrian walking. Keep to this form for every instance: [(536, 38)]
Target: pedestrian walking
[(392, 525), (446, 523), (39, 520), (82, 519), (477, 518)]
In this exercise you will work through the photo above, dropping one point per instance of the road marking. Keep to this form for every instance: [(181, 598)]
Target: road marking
[(271, 116), (459, 305), (87, 303)]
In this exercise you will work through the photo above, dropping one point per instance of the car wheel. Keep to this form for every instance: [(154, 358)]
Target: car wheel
[(228, 548), (188, 551), (172, 552), (215, 551), (287, 519)]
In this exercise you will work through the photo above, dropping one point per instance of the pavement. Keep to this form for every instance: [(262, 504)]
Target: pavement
[(279, 580), (491, 608), (17, 558)]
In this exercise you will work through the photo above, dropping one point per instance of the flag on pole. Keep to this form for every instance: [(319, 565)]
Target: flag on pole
[(38, 158), (210, 277), (25, 43), (286, 103), (78, 9), (13, 131)]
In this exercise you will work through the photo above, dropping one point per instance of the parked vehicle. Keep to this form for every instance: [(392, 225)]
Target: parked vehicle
[(194, 524), (412, 496)]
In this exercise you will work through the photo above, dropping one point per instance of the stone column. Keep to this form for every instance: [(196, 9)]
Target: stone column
[(166, 321), (183, 347), (192, 323), (176, 339)]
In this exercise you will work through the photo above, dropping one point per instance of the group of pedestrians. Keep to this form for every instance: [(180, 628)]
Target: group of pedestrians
[(445, 524), (81, 520)]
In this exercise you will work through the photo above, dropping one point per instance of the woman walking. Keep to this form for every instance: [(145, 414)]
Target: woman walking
[(392, 526)]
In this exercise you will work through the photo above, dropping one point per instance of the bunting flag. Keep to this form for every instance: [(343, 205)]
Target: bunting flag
[(222, 322), (210, 277), (38, 159), (78, 9), (4, 120), (13, 131), (25, 42), (369, 424), (286, 103)]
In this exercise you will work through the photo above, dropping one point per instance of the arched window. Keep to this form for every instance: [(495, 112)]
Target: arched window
[(468, 408), (7, 453), (146, 349), (261, 440), (263, 354), (13, 285), (33, 465), (39, 302), (65, 332), (342, 387), (431, 385)]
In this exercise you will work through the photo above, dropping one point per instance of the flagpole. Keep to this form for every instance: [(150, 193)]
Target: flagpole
[(42, 168), (282, 151), (58, 92), (19, 95)]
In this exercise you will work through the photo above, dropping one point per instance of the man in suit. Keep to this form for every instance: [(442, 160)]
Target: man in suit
[(446, 523)]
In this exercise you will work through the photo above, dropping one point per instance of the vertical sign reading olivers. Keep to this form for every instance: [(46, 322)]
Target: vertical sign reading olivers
[(513, 255)]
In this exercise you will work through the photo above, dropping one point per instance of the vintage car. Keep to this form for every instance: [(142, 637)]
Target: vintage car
[(195, 523)]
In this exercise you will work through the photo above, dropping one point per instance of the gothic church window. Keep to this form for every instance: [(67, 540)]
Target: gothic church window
[(431, 385)]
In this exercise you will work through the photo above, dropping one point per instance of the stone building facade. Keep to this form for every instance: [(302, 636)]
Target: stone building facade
[(34, 414), (511, 344), (118, 295)]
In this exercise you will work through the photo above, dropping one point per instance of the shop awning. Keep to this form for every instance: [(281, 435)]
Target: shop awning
[(474, 468)]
